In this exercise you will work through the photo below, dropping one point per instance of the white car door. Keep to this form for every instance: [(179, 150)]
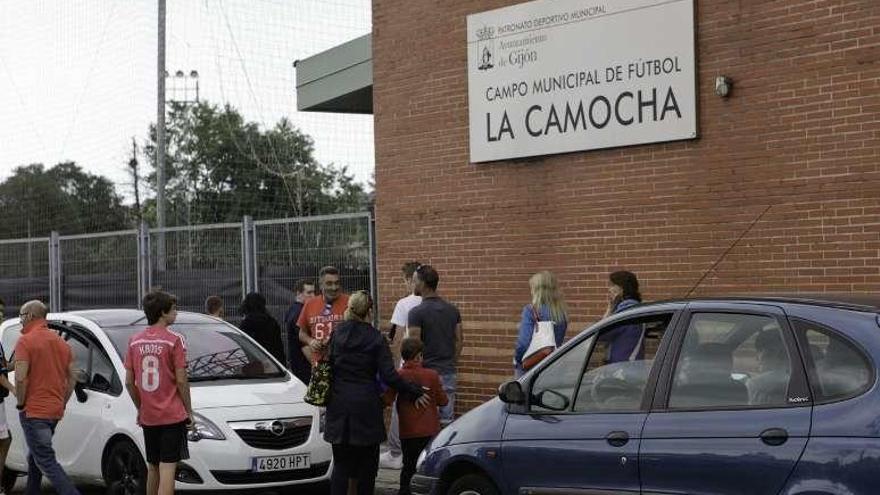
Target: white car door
[(81, 435)]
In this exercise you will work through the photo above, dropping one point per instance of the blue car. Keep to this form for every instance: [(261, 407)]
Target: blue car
[(726, 396)]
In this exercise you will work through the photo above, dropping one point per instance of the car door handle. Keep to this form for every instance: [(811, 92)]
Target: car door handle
[(774, 436), (617, 438)]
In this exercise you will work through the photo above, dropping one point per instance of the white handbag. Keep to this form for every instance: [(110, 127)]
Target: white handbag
[(543, 342)]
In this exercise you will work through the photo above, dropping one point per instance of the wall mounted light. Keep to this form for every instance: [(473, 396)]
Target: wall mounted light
[(723, 86)]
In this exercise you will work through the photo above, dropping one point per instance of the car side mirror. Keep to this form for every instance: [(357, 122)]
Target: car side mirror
[(100, 383), (79, 388), (552, 400), (512, 393)]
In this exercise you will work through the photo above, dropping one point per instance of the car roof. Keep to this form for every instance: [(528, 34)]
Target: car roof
[(134, 317), (850, 301)]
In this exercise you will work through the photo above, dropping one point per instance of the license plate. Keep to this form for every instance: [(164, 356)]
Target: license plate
[(289, 462)]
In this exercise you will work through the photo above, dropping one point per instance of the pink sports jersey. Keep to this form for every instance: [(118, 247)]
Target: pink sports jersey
[(153, 356)]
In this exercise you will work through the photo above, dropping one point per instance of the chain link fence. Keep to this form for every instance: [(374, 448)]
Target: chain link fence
[(291, 249), (199, 261), (116, 269), (99, 271), (24, 271)]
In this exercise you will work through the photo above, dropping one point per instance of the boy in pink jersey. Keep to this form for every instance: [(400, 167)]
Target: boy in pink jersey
[(156, 380)]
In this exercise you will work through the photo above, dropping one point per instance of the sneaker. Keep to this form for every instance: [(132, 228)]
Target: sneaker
[(390, 461)]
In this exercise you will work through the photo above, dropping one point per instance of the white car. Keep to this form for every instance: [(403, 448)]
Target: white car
[(253, 428)]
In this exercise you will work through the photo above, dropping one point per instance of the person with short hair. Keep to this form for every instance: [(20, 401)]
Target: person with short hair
[(259, 325), (417, 426), (156, 380), (399, 325), (355, 425), (437, 324), (44, 379), (768, 386), (321, 314), (297, 354), (214, 307)]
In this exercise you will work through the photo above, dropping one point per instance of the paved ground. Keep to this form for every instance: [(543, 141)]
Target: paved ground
[(386, 484)]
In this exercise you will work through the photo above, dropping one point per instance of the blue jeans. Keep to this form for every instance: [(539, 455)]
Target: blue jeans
[(41, 457), (447, 412)]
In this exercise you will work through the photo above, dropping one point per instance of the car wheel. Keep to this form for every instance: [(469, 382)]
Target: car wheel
[(9, 477), (472, 484), (125, 472)]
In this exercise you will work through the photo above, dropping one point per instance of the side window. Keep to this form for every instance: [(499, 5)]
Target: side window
[(731, 360), (80, 352), (608, 376), (104, 377), (610, 383), (553, 389), (10, 338), (839, 369)]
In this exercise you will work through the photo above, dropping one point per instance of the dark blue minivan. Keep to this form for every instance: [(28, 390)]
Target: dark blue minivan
[(734, 396)]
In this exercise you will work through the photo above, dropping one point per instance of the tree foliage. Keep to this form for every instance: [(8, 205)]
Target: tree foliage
[(220, 167), (36, 200)]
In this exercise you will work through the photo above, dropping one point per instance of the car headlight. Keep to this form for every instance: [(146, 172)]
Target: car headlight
[(322, 420), (204, 430)]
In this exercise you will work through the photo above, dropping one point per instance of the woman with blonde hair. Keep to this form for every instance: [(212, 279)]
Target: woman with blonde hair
[(547, 305), (355, 424)]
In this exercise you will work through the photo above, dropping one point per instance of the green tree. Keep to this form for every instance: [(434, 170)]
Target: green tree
[(63, 198), (220, 167)]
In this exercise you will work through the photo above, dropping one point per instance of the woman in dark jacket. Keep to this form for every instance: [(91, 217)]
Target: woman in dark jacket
[(355, 425), (626, 342), (260, 325)]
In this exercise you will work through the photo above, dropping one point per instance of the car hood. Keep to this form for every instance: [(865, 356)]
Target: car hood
[(208, 395), (483, 424)]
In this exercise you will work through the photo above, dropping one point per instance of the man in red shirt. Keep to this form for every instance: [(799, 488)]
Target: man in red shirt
[(321, 313), (417, 425), (156, 380), (44, 380)]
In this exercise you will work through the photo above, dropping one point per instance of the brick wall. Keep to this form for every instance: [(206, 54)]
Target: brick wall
[(800, 136)]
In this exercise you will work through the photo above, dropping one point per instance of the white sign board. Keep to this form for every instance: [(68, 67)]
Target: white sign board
[(553, 76)]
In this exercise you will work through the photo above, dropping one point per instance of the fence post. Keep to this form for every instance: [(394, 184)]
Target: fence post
[(248, 255), (374, 279), (55, 304), (145, 272)]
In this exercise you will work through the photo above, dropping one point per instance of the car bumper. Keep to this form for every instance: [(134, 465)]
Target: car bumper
[(423, 485), (228, 464)]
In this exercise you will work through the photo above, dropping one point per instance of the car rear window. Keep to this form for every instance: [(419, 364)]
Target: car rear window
[(838, 369)]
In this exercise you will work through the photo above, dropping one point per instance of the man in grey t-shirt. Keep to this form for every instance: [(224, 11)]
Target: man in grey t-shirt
[(438, 324)]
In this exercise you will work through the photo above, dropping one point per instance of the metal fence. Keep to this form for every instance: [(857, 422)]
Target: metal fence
[(116, 269)]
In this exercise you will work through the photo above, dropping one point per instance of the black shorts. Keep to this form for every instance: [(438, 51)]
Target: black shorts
[(166, 443)]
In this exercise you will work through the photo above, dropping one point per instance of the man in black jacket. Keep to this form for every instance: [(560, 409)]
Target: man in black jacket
[(296, 358)]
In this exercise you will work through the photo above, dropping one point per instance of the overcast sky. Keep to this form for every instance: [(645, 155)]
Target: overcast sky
[(78, 77)]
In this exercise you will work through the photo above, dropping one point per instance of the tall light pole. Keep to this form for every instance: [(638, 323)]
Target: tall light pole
[(160, 141)]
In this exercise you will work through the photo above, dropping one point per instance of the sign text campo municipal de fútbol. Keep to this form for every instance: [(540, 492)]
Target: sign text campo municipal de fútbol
[(553, 76)]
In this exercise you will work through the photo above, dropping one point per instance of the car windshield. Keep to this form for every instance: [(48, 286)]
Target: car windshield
[(214, 351)]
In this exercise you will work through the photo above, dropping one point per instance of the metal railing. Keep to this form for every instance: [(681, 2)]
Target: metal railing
[(116, 269)]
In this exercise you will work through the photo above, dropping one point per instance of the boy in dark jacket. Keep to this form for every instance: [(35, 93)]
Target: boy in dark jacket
[(417, 426)]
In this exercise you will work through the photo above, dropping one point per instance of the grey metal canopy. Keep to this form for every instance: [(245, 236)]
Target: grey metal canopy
[(337, 80)]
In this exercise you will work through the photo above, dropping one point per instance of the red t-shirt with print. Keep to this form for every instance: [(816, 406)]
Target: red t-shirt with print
[(153, 357), (318, 317)]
